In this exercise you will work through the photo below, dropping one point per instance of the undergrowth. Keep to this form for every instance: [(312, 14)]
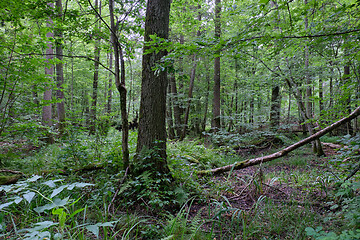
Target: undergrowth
[(297, 197)]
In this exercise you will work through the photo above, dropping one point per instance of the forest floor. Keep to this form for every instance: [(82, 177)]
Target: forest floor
[(283, 184), (299, 196)]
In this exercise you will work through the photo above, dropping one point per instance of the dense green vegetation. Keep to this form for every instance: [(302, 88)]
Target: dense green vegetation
[(90, 149)]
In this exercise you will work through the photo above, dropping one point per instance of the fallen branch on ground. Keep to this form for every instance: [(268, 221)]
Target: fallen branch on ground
[(283, 152)]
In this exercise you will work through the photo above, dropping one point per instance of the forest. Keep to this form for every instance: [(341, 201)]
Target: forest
[(180, 119)]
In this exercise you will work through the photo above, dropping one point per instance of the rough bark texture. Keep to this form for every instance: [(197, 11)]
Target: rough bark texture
[(152, 125), (60, 72), (216, 124), (283, 152)]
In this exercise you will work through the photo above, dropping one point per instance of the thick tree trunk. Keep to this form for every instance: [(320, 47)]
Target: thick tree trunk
[(283, 152), (60, 72), (216, 124), (152, 126)]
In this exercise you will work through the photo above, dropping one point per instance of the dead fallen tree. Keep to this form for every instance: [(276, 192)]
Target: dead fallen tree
[(283, 152)]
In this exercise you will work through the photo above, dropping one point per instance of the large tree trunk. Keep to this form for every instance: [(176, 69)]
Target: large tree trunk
[(216, 124), (283, 152), (60, 72), (152, 126)]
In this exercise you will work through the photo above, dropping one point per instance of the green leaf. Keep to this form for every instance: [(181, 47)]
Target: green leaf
[(95, 228), (76, 212), (51, 183), (310, 231), (57, 203), (18, 200), (58, 190), (34, 178), (79, 185), (28, 196), (4, 205)]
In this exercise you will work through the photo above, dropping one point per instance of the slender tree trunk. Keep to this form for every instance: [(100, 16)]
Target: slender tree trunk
[(331, 91), (251, 108), (120, 85), (176, 104), (60, 72), (289, 108), (275, 107), (321, 97), (207, 76), (72, 79), (152, 125), (49, 71), (109, 95), (317, 147), (94, 96), (169, 115), (348, 100), (191, 87), (216, 124), (308, 94)]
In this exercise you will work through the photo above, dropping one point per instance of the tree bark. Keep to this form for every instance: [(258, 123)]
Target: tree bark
[(176, 105), (93, 107), (60, 71), (169, 114), (283, 152), (109, 94), (190, 94), (216, 123), (152, 126), (120, 85), (275, 107), (49, 72), (207, 76)]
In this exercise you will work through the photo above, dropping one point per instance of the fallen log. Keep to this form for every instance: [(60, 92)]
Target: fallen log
[(332, 145), (283, 152)]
